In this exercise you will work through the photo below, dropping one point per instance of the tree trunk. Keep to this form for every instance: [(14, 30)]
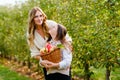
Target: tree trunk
[(23, 63), (107, 73), (87, 71), (29, 63)]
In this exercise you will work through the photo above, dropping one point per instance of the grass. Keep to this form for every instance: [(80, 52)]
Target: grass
[(115, 74), (7, 74), (99, 74)]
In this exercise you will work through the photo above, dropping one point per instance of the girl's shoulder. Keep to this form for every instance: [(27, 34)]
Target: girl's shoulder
[(55, 42)]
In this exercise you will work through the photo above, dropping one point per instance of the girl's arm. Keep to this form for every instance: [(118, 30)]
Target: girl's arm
[(64, 64), (67, 59)]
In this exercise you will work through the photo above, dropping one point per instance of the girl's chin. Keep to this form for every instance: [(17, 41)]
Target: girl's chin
[(53, 38)]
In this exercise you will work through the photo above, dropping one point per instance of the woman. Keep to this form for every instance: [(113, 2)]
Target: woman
[(37, 34), (60, 70)]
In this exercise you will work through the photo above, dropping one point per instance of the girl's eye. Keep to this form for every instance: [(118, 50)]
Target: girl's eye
[(41, 15)]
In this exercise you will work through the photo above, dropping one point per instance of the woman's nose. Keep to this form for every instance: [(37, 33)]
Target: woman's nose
[(39, 17)]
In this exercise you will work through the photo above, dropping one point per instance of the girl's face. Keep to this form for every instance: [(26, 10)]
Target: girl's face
[(53, 31), (38, 19)]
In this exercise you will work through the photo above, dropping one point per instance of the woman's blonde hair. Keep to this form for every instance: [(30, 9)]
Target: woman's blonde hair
[(31, 24)]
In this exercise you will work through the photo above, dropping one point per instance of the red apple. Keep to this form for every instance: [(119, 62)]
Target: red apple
[(49, 46)]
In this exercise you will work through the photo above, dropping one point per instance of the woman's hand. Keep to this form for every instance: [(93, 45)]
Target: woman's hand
[(48, 64), (44, 63), (52, 65), (42, 53)]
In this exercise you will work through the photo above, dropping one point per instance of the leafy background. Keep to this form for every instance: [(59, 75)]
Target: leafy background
[(94, 26)]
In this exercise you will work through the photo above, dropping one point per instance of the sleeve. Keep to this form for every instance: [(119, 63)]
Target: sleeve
[(40, 62), (34, 51), (67, 59)]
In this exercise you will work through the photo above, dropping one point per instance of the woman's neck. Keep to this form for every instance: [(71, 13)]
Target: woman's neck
[(40, 31), (39, 27)]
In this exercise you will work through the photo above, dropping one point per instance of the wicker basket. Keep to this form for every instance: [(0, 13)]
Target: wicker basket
[(53, 56)]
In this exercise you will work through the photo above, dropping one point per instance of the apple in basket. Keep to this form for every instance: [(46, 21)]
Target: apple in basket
[(48, 48), (43, 50)]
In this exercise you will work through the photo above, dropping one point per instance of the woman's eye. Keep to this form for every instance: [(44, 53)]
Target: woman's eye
[(35, 16)]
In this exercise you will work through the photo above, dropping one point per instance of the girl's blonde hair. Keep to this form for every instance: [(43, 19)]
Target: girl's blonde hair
[(31, 24)]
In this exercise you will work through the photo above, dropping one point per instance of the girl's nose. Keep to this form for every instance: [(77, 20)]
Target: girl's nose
[(49, 31)]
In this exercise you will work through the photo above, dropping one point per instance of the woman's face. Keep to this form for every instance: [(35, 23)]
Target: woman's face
[(53, 31), (38, 19)]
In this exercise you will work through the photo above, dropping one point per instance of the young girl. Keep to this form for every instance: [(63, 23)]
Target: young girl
[(61, 70)]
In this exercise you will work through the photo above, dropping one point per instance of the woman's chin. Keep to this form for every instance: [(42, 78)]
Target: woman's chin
[(39, 23)]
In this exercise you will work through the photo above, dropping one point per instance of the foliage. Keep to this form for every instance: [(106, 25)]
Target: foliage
[(94, 26)]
